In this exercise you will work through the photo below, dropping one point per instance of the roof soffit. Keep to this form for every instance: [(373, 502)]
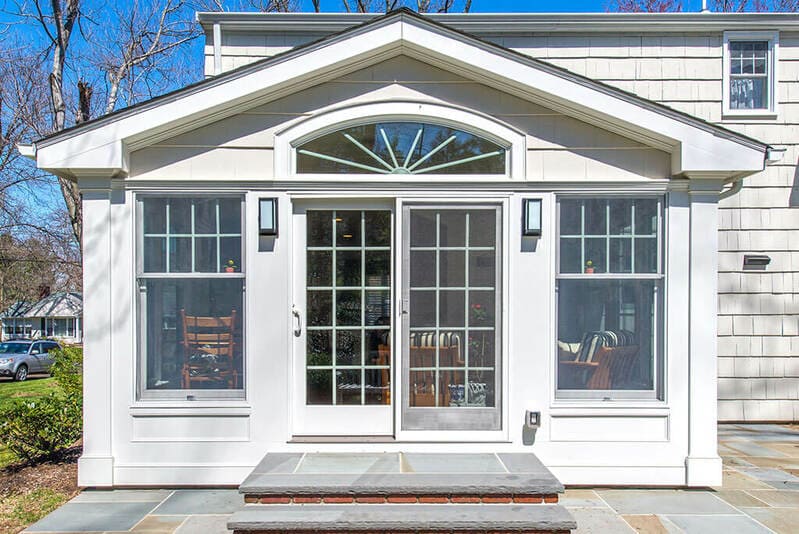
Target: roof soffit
[(695, 145)]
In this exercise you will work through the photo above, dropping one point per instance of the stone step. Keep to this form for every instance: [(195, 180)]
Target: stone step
[(283, 478), (405, 518)]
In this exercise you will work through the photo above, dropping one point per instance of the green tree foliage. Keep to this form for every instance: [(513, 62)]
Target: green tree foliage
[(39, 428)]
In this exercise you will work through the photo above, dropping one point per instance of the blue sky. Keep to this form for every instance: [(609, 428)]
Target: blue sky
[(512, 6)]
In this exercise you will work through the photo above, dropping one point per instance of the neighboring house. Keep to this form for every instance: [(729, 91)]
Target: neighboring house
[(56, 316), (394, 233)]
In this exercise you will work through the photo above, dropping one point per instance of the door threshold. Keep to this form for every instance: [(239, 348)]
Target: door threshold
[(342, 439)]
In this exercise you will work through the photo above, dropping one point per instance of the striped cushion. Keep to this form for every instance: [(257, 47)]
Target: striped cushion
[(427, 339)]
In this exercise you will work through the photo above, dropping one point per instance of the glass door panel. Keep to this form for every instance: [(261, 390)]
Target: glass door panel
[(451, 331), (346, 356)]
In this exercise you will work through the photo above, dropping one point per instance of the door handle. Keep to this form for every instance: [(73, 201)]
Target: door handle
[(298, 327)]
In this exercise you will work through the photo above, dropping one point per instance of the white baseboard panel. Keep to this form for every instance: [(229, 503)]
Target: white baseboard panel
[(619, 475), (702, 472), (95, 471), (180, 475)]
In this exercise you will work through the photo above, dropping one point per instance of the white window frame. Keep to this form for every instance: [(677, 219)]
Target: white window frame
[(143, 393), (288, 139), (773, 39), (658, 391)]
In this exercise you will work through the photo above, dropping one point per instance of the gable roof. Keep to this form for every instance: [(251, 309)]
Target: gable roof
[(698, 148), (60, 304), (17, 309)]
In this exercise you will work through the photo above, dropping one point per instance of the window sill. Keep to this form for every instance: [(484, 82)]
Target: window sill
[(190, 408), (731, 115), (599, 407)]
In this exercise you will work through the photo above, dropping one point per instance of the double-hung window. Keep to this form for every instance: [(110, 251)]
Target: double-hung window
[(191, 296), (750, 61), (609, 294)]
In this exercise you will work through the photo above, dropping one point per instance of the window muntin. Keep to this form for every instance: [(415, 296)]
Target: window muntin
[(609, 286), (749, 75), (191, 285), (400, 148), (191, 235), (453, 325), (348, 353)]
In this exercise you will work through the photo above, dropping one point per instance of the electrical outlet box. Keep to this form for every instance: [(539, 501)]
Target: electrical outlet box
[(532, 419)]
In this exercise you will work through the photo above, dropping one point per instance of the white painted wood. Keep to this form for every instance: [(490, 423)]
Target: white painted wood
[(192, 428), (343, 420), (703, 465), (95, 465), (597, 428)]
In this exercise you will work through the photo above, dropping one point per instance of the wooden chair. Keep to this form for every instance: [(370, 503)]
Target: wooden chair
[(423, 355), (609, 368), (212, 337), (614, 368)]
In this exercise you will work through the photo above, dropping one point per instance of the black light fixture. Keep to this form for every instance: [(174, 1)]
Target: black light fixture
[(531, 217), (267, 216)]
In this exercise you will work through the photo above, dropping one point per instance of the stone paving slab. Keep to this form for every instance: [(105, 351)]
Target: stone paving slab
[(93, 517), (753, 449), (320, 463), (665, 502), (101, 496), (159, 524), (346, 518), (399, 484), (780, 520), (582, 498), (651, 524), (205, 524), (192, 502), (599, 521), (451, 463), (703, 524), (279, 462)]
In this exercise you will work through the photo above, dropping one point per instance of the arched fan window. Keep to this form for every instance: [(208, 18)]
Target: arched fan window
[(400, 148)]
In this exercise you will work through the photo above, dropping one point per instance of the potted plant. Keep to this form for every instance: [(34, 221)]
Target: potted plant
[(230, 266), (589, 267)]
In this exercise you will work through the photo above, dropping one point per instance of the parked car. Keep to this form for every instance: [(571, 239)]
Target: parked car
[(19, 358)]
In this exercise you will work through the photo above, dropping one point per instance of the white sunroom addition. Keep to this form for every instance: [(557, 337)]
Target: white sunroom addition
[(400, 238)]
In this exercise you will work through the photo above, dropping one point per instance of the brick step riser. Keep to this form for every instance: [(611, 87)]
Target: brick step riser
[(401, 499)]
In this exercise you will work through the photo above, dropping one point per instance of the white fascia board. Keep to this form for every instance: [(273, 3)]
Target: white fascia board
[(701, 147)]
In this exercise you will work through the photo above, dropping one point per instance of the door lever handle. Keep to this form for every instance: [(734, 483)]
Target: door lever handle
[(298, 327)]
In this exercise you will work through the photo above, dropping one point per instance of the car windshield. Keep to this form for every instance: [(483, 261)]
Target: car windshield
[(14, 348)]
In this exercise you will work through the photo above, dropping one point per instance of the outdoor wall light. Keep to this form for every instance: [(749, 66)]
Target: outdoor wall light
[(531, 217), (267, 216)]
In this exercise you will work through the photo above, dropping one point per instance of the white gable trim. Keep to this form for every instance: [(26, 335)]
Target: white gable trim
[(696, 147), (289, 138)]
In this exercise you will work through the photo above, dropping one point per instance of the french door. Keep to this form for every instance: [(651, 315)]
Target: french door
[(343, 320), (344, 359), (451, 291)]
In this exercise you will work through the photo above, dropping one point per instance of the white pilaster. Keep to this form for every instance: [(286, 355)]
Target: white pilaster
[(703, 464), (95, 467)]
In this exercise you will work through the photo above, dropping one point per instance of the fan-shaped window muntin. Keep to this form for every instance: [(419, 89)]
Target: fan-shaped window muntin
[(400, 148)]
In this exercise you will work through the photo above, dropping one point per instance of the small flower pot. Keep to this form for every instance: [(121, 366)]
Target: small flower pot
[(589, 270), (230, 269)]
